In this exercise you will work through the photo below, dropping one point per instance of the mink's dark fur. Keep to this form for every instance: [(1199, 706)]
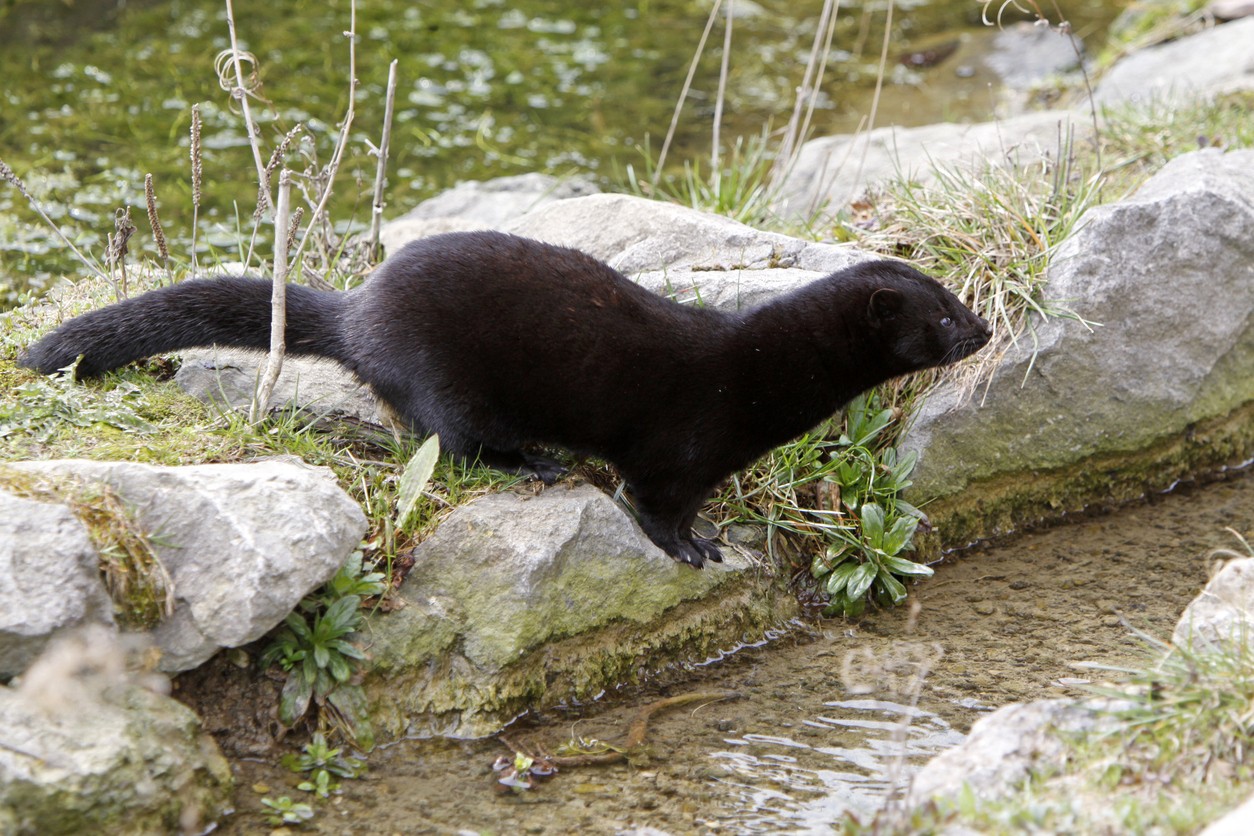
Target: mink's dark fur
[(498, 342)]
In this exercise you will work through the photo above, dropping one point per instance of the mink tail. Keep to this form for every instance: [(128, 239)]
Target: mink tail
[(230, 311)]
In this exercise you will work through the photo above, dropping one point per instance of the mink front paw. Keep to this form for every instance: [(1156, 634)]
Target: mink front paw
[(695, 551)]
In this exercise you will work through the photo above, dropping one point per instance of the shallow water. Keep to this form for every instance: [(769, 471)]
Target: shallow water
[(97, 93), (832, 721)]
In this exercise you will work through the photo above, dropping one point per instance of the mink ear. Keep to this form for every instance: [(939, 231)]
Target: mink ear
[(885, 304)]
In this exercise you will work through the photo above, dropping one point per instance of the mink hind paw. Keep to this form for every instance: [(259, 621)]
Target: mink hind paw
[(547, 471)]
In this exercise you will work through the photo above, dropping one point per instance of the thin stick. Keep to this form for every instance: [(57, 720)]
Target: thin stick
[(342, 142), (683, 93), (241, 93), (879, 86), (7, 174), (278, 302), (807, 93), (723, 71), (376, 219)]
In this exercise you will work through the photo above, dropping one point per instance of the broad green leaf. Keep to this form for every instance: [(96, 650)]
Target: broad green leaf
[(896, 591), (415, 477), (819, 566), (873, 525), (839, 577), (341, 617), (860, 580), (901, 566), (351, 703), (900, 533), (294, 702)]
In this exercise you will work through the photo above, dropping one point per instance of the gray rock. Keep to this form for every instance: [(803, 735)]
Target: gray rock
[(227, 379), (1169, 276), (1222, 615), (1007, 746), (49, 579), (1238, 822), (1231, 9), (86, 749), (480, 205), (830, 172), (1025, 54), (522, 602), (243, 543), (1217, 60), (636, 235)]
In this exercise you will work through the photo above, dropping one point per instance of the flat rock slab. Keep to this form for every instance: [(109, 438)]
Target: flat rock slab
[(521, 602), (833, 171), (49, 578), (86, 750), (1218, 60)]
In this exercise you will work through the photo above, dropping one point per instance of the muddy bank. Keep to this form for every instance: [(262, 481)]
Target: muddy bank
[(820, 728)]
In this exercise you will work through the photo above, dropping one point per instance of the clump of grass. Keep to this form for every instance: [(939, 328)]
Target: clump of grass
[(741, 187), (831, 505), (1139, 139)]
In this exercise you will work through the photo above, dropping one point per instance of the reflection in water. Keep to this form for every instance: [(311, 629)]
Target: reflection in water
[(865, 751)]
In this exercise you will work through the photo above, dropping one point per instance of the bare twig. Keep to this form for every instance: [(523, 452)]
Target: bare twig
[(7, 175), (240, 91), (808, 93), (342, 143), (879, 85), (723, 72), (278, 302), (376, 217), (683, 93), (115, 253)]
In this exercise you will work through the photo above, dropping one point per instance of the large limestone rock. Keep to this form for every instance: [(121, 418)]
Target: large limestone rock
[(227, 379), (242, 543), (1160, 385), (1007, 746), (689, 255), (830, 172), (523, 602), (1222, 615), (1218, 60), (49, 578), (478, 204), (88, 749)]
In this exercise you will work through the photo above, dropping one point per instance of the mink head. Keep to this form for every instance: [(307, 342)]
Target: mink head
[(921, 324)]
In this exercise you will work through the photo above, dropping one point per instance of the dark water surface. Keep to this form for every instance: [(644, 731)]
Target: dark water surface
[(829, 723), (97, 93)]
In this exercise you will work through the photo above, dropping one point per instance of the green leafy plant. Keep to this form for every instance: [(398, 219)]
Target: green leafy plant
[(324, 763), (283, 810), (312, 647), (840, 488)]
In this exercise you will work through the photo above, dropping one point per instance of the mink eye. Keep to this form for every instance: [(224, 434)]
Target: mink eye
[(947, 322)]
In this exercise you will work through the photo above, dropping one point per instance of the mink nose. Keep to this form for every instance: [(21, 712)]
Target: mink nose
[(985, 327)]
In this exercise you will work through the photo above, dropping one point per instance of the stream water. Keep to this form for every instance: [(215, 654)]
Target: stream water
[(97, 93), (831, 721)]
